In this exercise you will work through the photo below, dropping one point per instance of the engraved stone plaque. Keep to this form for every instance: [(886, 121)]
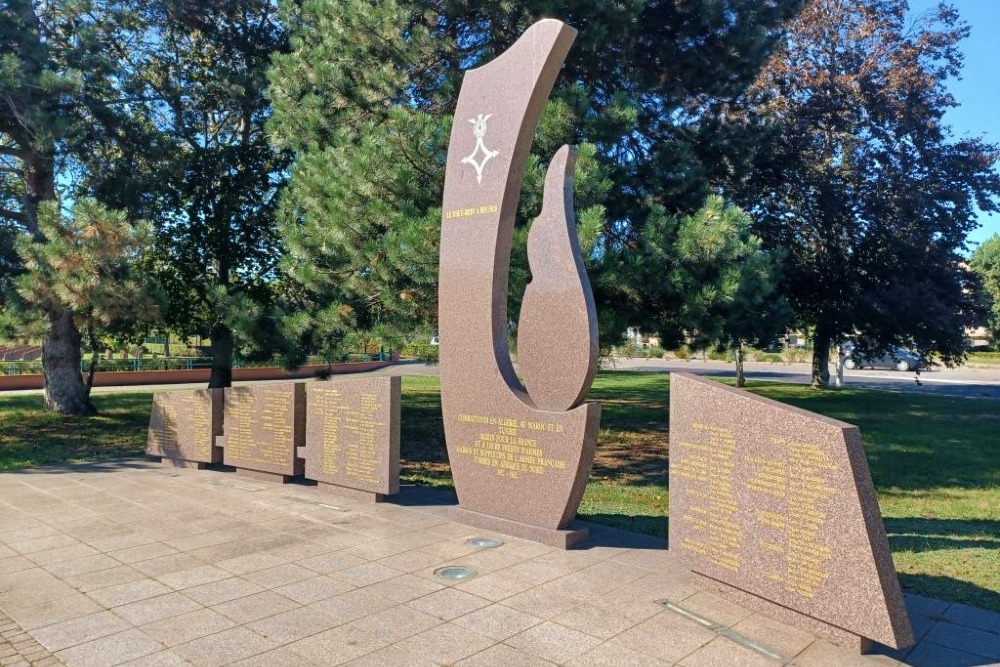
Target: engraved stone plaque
[(520, 455), (183, 426), (264, 424), (352, 434), (775, 506)]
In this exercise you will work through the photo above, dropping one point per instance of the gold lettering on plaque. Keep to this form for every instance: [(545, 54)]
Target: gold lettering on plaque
[(510, 448)]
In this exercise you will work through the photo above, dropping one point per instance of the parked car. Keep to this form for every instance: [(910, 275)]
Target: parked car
[(898, 358)]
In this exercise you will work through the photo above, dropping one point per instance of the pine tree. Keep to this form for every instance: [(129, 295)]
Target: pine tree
[(862, 183), (91, 265), (363, 99)]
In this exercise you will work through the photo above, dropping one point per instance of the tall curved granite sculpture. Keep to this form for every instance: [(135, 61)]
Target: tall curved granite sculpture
[(520, 457)]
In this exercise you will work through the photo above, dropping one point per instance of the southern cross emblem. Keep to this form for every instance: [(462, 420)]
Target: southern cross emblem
[(479, 129)]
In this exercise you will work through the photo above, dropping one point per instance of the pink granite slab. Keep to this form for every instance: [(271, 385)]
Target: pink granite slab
[(183, 426), (778, 503), (352, 433), (264, 425)]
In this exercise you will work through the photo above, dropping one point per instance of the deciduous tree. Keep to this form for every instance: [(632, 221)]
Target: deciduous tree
[(985, 261)]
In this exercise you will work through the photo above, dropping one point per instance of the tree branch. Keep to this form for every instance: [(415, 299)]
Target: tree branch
[(13, 215)]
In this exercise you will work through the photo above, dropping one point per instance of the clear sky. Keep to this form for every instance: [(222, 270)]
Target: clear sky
[(978, 91)]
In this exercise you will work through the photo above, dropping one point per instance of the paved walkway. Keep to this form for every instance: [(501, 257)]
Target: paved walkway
[(128, 563)]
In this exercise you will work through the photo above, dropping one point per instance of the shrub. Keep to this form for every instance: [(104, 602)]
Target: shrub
[(655, 352), (683, 352)]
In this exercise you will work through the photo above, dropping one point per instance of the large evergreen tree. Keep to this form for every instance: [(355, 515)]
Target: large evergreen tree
[(364, 94), (59, 67), (861, 181)]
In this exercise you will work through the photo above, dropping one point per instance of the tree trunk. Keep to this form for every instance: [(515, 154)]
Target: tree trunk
[(166, 345), (741, 380), (222, 357), (95, 358), (64, 389), (821, 358)]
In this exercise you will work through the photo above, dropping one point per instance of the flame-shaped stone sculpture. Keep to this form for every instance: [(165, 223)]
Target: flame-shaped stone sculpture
[(520, 458)]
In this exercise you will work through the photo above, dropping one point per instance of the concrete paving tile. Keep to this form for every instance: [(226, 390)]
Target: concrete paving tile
[(595, 621), (85, 565), (497, 621), (161, 565), (447, 643), (366, 574), (495, 586), (118, 542), (716, 609), (133, 591), (353, 604), (54, 611), (648, 637), (774, 635), (92, 581), (405, 588), (142, 552), (648, 559), (392, 656), (274, 577), (6, 552), (186, 627), (553, 642), (396, 623), (255, 607), (31, 587), (447, 603), (293, 625), (53, 541), (161, 659), (195, 576), (217, 592), (61, 554), (411, 561), (928, 654), (333, 561), (501, 654), (723, 652), (614, 655), (79, 630), (337, 645), (924, 606), (223, 648), (15, 564), (308, 591), (298, 550), (155, 609), (279, 657), (34, 530), (964, 638), (973, 617), (824, 654), (110, 650), (250, 563)]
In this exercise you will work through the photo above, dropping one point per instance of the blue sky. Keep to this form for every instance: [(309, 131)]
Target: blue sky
[(978, 91)]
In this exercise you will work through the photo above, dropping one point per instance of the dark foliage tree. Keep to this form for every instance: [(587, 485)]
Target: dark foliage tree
[(861, 183), (59, 64), (362, 99), (985, 261)]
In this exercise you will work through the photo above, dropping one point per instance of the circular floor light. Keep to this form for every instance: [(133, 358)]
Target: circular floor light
[(455, 573), (484, 542)]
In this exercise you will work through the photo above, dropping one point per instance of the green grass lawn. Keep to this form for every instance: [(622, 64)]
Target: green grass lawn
[(935, 462)]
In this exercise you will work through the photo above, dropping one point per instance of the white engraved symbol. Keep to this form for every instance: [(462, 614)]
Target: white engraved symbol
[(479, 129)]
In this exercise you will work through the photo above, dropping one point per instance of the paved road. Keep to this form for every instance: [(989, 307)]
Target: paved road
[(967, 382)]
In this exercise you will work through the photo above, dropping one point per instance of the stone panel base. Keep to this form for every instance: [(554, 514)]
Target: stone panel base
[(354, 494), (261, 476), (179, 463), (565, 538), (831, 633)]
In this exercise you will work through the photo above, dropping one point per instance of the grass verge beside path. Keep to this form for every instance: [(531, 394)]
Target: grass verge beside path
[(935, 462)]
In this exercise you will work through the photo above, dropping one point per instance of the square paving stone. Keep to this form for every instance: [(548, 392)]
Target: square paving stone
[(110, 650), (722, 652), (613, 655), (501, 654), (54, 611), (497, 621), (446, 643), (85, 565), (308, 591), (553, 642), (651, 637), (963, 638), (353, 605), (223, 648), (293, 625), (927, 654), (595, 621), (79, 630), (186, 627), (980, 619), (255, 607), (337, 645), (155, 609), (195, 576), (280, 575), (120, 594), (92, 581), (396, 623), (448, 603), (217, 592), (774, 635)]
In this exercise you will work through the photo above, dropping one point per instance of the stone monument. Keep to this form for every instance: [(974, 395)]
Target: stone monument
[(520, 457), (352, 436), (183, 427), (775, 508), (264, 427)]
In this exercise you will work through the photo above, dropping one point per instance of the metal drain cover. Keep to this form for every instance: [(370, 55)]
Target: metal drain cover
[(484, 542), (455, 573)]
